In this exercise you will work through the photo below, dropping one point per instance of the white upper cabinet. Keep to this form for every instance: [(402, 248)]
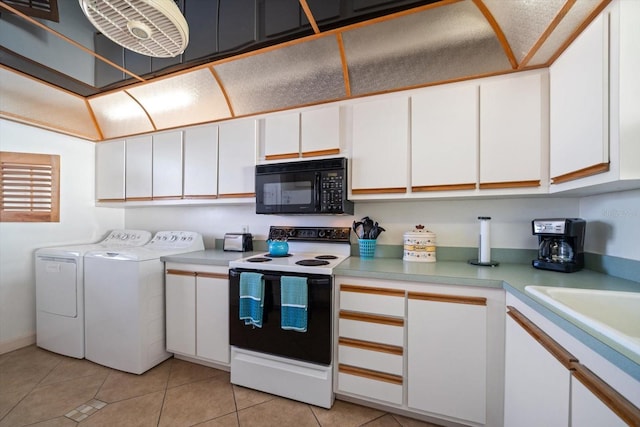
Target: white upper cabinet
[(110, 171), (579, 96), (379, 155), (237, 158), (139, 168), (444, 138), (513, 136), (282, 136), (595, 113), (201, 162), (320, 132), (167, 165)]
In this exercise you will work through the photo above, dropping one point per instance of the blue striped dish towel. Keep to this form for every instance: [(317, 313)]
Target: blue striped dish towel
[(251, 298), (293, 303)]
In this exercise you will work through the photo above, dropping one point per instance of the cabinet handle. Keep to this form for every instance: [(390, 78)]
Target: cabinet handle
[(626, 410), (181, 272), (509, 184), (389, 190), (213, 275), (371, 318), (372, 346), (445, 187), (456, 299), (328, 152), (368, 373), (234, 195), (372, 290), (581, 173), (564, 357), (281, 156)]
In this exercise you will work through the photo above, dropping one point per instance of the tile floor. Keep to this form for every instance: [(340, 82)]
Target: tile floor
[(40, 388)]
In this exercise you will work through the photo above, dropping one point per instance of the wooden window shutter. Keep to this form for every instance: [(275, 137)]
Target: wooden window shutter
[(29, 187)]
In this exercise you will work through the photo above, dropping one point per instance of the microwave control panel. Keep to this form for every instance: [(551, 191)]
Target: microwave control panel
[(332, 190)]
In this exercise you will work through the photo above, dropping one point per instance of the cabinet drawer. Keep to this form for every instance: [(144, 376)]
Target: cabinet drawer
[(367, 329), (377, 357), (366, 384), (366, 299)]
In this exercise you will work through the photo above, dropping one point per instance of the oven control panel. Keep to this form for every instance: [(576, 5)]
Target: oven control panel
[(310, 234)]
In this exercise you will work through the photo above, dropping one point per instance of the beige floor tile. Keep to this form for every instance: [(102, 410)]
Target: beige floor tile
[(26, 366), (246, 397), (183, 372), (70, 368), (121, 385), (138, 411), (12, 396), (278, 412), (230, 420), (197, 402), (344, 414), (384, 421), (410, 422), (54, 400), (56, 422)]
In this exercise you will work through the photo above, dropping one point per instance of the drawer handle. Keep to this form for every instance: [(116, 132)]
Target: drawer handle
[(369, 374), (372, 290), (371, 318), (372, 346), (456, 299)]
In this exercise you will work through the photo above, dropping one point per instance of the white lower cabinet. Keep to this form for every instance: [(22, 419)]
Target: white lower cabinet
[(197, 313), (537, 383), (546, 385), (432, 350), (447, 355)]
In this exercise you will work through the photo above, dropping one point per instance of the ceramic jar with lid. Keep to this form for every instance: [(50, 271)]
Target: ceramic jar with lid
[(419, 245)]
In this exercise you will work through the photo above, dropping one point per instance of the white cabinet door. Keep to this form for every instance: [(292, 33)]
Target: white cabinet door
[(380, 146), (167, 165), (237, 159), (201, 161), (444, 138), (579, 107), (181, 312), (212, 310), (320, 132), (110, 166), (139, 168), (512, 130), (536, 383), (447, 356), (282, 136)]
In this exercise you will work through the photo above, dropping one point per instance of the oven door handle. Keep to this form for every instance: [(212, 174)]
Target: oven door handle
[(276, 278)]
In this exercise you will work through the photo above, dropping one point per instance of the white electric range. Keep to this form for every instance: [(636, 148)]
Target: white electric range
[(293, 361)]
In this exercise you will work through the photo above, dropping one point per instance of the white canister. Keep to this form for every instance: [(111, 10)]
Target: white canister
[(419, 245)]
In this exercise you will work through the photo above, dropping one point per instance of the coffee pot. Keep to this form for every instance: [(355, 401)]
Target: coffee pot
[(560, 244)]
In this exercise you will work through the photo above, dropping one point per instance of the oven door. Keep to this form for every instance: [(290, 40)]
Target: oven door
[(312, 346), (287, 192)]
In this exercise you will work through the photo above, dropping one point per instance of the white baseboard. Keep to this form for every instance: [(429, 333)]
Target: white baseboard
[(7, 346)]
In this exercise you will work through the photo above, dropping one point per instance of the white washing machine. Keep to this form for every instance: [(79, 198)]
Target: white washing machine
[(124, 299), (60, 291)]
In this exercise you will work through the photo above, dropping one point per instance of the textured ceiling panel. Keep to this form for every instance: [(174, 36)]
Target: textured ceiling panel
[(26, 99), (299, 74), (574, 18), (188, 98), (119, 115), (444, 43), (523, 21)]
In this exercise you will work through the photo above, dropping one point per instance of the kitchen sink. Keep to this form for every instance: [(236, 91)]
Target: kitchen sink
[(614, 314)]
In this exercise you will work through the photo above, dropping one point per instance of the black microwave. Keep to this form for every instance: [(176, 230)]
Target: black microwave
[(305, 187)]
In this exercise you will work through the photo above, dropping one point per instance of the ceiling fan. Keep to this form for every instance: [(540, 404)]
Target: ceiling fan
[(149, 27)]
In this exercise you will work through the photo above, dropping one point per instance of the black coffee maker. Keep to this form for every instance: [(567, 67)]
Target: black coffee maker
[(560, 244)]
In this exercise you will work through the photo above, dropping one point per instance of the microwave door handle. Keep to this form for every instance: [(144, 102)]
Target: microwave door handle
[(318, 191)]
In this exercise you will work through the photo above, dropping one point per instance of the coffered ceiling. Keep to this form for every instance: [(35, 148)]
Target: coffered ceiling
[(428, 44)]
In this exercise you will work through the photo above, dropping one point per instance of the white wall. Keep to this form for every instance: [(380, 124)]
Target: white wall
[(613, 224), (80, 222), (454, 222)]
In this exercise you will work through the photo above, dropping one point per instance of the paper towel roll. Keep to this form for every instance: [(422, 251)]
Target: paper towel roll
[(484, 244)]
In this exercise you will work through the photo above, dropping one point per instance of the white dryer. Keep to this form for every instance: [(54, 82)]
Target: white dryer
[(60, 291), (124, 299)]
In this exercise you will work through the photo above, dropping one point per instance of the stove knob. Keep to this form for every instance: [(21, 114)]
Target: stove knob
[(322, 233)]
